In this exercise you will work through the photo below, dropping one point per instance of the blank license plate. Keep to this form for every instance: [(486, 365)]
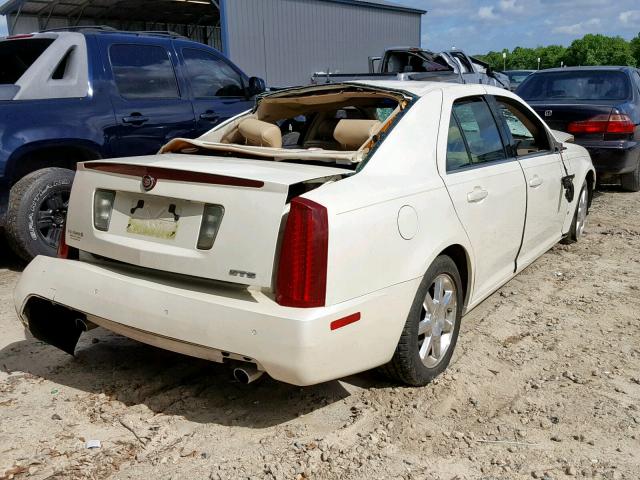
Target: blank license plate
[(154, 221)]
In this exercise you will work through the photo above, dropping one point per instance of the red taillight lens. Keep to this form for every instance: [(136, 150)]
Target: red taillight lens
[(302, 271), (64, 250), (620, 123), (597, 124), (614, 123)]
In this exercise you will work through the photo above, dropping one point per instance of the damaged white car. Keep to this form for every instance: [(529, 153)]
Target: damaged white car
[(330, 230)]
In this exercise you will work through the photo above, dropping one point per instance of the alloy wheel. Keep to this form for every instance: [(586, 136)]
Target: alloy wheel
[(51, 217), (581, 214), (437, 323)]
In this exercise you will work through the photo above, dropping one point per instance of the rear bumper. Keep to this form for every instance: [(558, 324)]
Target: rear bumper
[(193, 317), (613, 157)]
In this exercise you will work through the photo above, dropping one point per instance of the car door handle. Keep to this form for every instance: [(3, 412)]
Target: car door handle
[(477, 195), (535, 182), (210, 116), (135, 119)]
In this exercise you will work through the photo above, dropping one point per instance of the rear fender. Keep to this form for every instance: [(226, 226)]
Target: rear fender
[(64, 153)]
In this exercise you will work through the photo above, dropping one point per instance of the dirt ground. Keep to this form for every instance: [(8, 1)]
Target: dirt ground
[(545, 383)]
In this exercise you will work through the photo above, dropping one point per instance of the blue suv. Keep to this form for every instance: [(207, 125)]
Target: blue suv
[(73, 95)]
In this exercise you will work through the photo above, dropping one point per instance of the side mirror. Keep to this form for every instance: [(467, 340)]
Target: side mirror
[(256, 86), (489, 71)]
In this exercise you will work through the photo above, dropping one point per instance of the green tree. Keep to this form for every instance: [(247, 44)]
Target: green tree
[(551, 56), (493, 58), (635, 49), (597, 49)]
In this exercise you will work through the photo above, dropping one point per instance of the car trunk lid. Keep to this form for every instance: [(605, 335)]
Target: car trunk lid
[(559, 115), (158, 208)]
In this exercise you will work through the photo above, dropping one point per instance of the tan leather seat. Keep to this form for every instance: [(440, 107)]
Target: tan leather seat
[(351, 134), (323, 135), (260, 134)]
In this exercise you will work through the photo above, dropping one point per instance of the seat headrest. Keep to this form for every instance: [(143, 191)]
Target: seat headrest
[(260, 134), (351, 134)]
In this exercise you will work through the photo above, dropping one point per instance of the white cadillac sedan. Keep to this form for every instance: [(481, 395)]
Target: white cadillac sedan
[(330, 230)]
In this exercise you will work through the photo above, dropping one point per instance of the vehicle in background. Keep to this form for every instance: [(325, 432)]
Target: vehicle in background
[(600, 107), (516, 77), (70, 96), (410, 63), (359, 242)]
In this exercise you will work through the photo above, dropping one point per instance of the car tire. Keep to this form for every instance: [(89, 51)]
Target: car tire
[(37, 212), (631, 181), (579, 217), (416, 361)]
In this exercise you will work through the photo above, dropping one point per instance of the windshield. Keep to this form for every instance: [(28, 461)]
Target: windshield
[(576, 85)]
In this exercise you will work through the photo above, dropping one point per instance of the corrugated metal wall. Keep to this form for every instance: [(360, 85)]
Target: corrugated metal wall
[(285, 41)]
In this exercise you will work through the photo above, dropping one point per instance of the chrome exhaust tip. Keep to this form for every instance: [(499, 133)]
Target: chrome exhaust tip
[(246, 375)]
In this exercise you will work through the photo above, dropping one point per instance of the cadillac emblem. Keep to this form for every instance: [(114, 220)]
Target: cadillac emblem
[(148, 182), (548, 113)]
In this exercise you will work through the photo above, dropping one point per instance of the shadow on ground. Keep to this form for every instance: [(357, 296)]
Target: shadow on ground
[(201, 391), (8, 259)]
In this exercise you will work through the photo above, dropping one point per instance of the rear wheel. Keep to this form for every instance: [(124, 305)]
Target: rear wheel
[(431, 330), (631, 181), (37, 212), (579, 217)]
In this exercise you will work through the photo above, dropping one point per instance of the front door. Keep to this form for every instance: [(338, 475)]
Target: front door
[(218, 89), (546, 204), (150, 108), (488, 192)]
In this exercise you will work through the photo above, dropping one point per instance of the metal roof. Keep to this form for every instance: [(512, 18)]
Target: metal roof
[(380, 4), (180, 11)]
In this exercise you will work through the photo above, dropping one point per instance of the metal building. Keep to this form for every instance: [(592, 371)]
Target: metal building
[(283, 41)]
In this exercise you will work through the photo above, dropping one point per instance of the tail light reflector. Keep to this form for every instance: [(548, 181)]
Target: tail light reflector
[(64, 250), (102, 208), (302, 270), (614, 123)]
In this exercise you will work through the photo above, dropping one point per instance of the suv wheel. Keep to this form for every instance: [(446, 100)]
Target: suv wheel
[(37, 212)]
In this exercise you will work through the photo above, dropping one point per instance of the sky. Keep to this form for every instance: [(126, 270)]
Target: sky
[(478, 26)]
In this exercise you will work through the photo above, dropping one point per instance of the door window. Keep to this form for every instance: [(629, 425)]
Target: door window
[(528, 134), (211, 76), (143, 71), (457, 153), (480, 134)]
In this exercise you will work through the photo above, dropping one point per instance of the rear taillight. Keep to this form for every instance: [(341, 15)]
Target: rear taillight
[(617, 123), (302, 271), (620, 123), (64, 250)]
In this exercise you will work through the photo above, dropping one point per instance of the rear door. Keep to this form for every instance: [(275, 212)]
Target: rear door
[(487, 189), (546, 205), (218, 89), (150, 106)]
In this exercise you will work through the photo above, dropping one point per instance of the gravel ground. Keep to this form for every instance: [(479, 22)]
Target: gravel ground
[(545, 383)]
